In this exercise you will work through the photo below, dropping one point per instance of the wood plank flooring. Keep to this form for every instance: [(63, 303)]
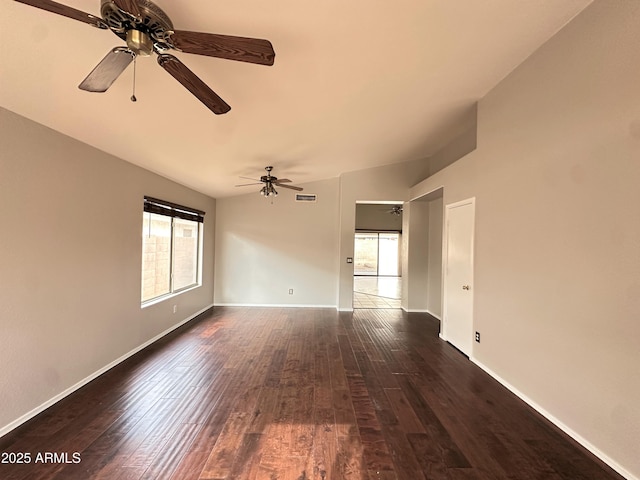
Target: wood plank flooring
[(297, 394)]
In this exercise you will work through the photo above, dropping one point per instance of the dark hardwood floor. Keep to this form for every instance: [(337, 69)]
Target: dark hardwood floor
[(299, 394)]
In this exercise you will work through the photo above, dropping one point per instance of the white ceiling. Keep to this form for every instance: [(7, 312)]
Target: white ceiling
[(355, 84)]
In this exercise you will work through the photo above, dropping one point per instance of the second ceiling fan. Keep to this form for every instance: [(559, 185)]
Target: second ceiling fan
[(147, 30)]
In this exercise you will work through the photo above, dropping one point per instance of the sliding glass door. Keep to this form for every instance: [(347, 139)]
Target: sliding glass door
[(388, 245), (377, 254)]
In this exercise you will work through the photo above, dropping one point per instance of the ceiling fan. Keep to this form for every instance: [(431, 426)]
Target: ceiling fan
[(395, 210), (269, 181), (147, 30)]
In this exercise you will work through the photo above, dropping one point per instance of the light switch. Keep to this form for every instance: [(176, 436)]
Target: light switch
[(349, 259)]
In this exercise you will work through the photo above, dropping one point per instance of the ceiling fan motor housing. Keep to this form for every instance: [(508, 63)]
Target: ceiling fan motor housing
[(139, 42), (151, 31)]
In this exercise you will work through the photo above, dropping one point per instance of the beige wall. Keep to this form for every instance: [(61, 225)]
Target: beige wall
[(70, 263), (415, 258), (434, 247), (377, 217), (556, 177), (263, 249)]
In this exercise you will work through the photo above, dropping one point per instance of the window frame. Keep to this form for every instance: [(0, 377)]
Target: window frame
[(174, 211)]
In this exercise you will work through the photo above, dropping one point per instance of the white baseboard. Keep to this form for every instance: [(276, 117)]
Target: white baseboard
[(275, 305), (421, 310), (578, 438), (29, 415)]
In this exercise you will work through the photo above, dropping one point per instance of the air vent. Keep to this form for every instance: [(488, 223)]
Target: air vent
[(306, 197)]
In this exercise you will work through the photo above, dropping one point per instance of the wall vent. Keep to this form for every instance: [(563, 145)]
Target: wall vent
[(306, 197)]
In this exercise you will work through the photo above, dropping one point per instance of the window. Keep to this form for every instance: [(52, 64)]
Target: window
[(171, 248)]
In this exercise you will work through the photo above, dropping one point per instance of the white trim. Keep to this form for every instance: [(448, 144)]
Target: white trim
[(278, 305), (379, 202), (434, 315), (573, 434), (415, 310), (29, 415), (344, 309), (168, 296)]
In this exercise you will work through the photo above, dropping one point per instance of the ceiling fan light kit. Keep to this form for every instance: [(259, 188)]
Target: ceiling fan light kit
[(147, 29), (268, 191)]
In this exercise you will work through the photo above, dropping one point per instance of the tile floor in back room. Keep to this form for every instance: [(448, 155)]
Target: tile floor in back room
[(377, 292)]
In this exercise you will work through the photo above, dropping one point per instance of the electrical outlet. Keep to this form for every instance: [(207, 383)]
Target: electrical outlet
[(291, 291), (478, 337)]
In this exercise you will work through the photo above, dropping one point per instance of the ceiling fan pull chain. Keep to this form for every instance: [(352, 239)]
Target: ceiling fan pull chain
[(133, 97)]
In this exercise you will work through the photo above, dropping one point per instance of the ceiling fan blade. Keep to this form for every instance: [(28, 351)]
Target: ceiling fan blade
[(291, 187), (66, 11), (252, 50), (249, 178), (191, 82), (247, 184), (284, 180), (108, 70), (129, 6)]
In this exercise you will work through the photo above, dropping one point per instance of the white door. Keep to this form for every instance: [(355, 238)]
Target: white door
[(458, 275)]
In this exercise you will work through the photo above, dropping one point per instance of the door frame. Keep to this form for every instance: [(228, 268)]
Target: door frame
[(445, 250)]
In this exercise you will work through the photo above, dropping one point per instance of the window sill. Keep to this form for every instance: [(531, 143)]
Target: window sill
[(168, 296)]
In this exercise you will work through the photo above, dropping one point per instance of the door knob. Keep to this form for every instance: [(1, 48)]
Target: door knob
[(465, 287)]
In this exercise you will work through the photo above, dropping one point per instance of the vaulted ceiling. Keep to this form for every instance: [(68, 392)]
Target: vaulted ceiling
[(355, 84)]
